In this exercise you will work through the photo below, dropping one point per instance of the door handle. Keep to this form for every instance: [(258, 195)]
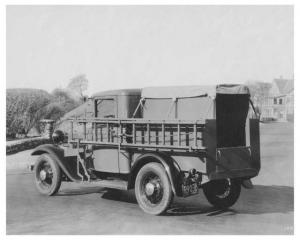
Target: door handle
[(218, 154)]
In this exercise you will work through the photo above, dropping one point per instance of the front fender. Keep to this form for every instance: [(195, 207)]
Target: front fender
[(49, 148), (67, 165), (170, 165)]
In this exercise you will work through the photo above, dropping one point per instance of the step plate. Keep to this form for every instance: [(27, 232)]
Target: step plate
[(114, 184)]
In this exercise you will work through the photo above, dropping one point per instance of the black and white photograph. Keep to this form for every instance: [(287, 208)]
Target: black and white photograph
[(149, 119)]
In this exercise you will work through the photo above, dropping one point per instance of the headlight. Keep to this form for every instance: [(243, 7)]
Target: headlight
[(58, 136)]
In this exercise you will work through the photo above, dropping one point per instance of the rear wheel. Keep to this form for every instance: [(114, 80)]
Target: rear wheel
[(47, 175), (153, 189), (222, 193)]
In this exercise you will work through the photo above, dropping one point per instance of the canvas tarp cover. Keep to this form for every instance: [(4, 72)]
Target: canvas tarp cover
[(195, 108), (192, 91)]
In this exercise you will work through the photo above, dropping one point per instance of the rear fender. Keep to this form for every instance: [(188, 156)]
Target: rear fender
[(66, 164), (171, 167)]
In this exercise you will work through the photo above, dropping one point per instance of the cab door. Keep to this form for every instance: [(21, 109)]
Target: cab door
[(106, 159)]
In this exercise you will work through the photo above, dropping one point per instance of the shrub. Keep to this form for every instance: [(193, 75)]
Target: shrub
[(24, 109)]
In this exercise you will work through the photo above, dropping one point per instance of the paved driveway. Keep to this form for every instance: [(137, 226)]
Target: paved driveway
[(82, 209)]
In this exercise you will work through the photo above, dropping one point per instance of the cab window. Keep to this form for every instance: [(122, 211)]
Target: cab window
[(105, 108)]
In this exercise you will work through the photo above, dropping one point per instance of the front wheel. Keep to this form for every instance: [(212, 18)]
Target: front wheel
[(222, 193), (153, 189), (47, 175)]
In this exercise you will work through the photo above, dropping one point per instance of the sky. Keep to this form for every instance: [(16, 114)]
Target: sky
[(138, 46)]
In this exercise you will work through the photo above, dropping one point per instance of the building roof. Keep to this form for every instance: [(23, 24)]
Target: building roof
[(284, 86), (118, 92)]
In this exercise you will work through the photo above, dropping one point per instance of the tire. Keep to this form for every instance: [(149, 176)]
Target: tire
[(222, 193), (47, 175), (153, 189)]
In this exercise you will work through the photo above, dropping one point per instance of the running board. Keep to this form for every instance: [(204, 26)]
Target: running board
[(114, 184)]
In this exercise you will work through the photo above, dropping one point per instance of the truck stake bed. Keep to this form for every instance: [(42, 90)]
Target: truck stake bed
[(152, 134)]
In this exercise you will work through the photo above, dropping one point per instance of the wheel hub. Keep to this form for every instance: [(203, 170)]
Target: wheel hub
[(43, 175), (150, 188)]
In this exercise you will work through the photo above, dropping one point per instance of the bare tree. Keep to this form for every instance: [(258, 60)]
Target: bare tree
[(79, 84), (62, 97)]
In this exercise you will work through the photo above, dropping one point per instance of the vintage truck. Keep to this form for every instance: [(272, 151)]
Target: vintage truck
[(161, 142)]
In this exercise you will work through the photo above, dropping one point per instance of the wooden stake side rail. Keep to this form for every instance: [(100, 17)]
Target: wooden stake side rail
[(139, 133), (136, 120)]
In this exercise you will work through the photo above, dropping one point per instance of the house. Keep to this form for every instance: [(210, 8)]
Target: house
[(279, 105)]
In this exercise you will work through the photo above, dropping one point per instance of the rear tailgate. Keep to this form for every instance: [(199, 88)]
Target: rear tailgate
[(234, 162)]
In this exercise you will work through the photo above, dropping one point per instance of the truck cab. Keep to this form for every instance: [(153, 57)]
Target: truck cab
[(117, 103)]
